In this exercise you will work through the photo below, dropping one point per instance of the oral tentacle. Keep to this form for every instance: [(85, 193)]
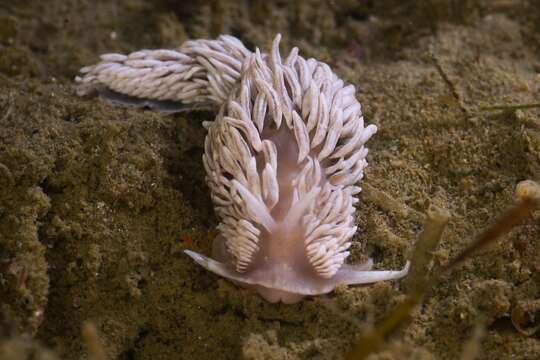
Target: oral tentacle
[(217, 267), (349, 275)]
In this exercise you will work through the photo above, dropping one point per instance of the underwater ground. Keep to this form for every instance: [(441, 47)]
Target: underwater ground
[(97, 203)]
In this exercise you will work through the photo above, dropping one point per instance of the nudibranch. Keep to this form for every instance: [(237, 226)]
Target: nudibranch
[(283, 157)]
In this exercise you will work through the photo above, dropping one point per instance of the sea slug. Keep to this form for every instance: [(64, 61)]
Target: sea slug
[(283, 157)]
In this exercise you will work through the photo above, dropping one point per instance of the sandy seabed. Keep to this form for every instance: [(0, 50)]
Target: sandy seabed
[(97, 203)]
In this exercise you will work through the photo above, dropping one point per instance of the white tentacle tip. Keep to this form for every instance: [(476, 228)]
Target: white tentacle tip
[(403, 272), (198, 258)]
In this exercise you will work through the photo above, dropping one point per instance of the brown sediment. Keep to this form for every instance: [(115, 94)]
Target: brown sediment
[(94, 200)]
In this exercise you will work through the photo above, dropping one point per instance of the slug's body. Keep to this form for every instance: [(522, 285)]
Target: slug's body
[(282, 157)]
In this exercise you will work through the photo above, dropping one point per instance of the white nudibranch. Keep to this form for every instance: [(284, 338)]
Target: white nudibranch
[(283, 157)]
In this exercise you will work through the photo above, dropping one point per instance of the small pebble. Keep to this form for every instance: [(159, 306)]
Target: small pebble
[(528, 189)]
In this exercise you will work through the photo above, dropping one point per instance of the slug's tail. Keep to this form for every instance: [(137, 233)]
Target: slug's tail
[(199, 74), (166, 106)]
